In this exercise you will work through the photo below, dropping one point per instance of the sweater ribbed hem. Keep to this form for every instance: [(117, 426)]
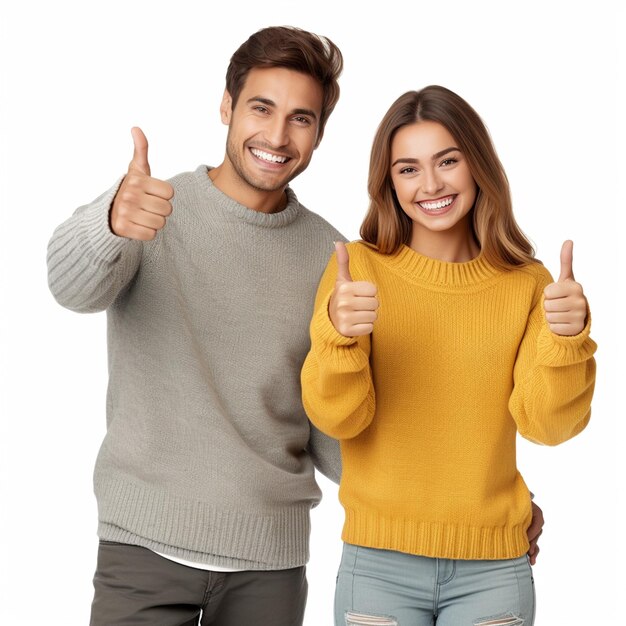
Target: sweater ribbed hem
[(199, 532), (444, 541)]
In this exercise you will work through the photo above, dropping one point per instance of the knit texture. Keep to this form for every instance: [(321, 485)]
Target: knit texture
[(427, 407), (208, 454)]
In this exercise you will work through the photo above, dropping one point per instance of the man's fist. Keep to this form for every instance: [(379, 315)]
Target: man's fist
[(142, 203)]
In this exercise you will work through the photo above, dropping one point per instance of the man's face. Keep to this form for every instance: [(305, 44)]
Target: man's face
[(273, 128)]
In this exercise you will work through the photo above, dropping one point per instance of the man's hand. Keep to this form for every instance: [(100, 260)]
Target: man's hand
[(142, 203), (564, 301), (353, 305), (534, 532)]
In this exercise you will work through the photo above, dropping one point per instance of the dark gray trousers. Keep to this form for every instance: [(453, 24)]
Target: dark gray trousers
[(134, 586)]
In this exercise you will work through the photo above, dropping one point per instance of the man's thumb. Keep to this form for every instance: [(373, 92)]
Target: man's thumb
[(140, 154), (343, 262)]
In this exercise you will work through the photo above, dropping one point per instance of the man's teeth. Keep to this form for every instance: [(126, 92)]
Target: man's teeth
[(433, 206), (266, 156)]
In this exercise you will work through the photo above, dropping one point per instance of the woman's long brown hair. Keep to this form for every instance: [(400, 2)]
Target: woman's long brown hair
[(387, 226)]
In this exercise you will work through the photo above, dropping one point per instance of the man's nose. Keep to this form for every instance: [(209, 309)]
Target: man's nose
[(277, 133)]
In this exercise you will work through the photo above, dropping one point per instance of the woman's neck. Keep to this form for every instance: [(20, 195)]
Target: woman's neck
[(456, 245)]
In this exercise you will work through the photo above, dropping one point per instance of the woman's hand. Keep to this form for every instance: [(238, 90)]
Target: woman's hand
[(353, 304), (564, 301)]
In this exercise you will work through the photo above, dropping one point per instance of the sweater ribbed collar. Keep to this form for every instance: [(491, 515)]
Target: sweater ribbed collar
[(257, 218), (423, 269)]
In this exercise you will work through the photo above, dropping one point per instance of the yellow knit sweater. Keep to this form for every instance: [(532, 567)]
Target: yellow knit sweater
[(427, 407)]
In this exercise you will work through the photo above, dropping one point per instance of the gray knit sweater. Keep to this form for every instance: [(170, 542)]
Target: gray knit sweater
[(208, 454)]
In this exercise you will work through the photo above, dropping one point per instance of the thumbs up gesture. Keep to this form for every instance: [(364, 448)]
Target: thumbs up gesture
[(142, 203), (564, 302), (353, 304)]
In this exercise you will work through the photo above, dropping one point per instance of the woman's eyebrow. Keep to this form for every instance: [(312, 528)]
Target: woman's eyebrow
[(437, 155)]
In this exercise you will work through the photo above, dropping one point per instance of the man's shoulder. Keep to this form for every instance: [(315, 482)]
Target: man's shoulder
[(320, 223), (184, 179)]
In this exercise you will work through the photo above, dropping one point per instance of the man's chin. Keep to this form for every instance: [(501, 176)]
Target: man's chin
[(270, 184), (266, 186)]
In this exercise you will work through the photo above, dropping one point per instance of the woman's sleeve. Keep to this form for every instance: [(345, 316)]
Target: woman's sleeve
[(553, 379), (337, 387)]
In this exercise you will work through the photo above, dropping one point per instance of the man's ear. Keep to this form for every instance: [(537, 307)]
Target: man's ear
[(226, 108)]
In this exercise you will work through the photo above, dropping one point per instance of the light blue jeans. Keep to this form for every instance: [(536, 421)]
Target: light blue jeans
[(385, 588)]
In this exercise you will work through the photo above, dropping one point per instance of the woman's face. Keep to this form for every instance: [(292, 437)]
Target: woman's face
[(432, 180)]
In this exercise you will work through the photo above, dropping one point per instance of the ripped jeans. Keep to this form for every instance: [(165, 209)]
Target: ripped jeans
[(386, 588)]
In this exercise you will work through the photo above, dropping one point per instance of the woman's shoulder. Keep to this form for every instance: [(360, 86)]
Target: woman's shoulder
[(362, 257), (534, 268), (362, 249), (362, 253), (535, 271)]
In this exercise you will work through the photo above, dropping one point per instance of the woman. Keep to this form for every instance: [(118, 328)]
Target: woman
[(435, 340)]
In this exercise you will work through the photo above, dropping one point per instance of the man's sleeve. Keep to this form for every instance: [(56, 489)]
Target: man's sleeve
[(88, 265), (326, 455)]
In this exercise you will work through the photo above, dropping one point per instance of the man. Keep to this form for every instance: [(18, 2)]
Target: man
[(205, 478)]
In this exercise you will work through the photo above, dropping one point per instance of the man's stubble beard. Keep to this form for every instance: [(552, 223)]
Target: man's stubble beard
[(256, 184)]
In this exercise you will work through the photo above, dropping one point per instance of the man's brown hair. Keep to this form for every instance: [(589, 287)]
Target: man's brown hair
[(292, 48)]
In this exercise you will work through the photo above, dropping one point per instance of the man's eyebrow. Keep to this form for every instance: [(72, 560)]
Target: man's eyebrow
[(271, 103), (267, 101), (308, 112), (437, 155)]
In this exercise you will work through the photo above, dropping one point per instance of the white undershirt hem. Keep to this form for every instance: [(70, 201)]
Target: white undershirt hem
[(205, 566)]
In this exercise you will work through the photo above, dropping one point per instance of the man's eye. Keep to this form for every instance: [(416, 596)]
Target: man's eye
[(260, 109), (302, 120)]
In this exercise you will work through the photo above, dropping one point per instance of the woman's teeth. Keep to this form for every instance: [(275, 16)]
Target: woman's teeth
[(435, 206)]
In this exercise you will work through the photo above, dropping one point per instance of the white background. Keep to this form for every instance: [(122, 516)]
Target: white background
[(545, 76)]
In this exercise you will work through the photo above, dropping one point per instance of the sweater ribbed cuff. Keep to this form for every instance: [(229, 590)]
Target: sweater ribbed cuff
[(561, 350), (346, 354), (103, 243), (323, 328)]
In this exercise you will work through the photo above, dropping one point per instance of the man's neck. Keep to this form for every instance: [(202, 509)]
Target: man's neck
[(226, 180)]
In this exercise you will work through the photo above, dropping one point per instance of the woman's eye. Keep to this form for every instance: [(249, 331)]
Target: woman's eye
[(408, 170), (448, 162)]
